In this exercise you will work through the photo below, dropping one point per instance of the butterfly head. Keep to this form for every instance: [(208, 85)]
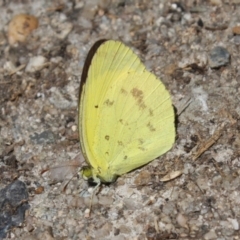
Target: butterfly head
[(93, 176)]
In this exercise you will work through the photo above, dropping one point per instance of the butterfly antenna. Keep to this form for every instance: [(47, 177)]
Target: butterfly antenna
[(69, 180)]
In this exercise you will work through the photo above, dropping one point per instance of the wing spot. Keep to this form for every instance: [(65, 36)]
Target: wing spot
[(150, 112), (150, 127), (108, 102), (96, 106), (107, 137), (107, 153), (120, 143), (138, 95), (122, 122), (125, 157), (123, 91)]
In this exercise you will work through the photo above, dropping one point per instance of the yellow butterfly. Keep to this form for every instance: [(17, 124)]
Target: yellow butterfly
[(126, 117)]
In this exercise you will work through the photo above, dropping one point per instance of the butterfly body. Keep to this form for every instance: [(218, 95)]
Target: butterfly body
[(126, 117)]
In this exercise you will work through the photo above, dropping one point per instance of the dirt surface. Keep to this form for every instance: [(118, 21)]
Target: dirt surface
[(193, 47)]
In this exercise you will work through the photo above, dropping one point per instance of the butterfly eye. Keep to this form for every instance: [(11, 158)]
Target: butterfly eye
[(86, 172)]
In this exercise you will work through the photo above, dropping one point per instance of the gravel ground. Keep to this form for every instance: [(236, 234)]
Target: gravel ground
[(193, 47)]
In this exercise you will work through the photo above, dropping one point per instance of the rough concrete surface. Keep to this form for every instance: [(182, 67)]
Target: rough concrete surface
[(193, 47)]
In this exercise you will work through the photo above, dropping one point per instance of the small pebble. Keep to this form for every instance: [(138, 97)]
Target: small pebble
[(218, 57), (20, 27), (66, 28), (182, 220), (236, 39), (236, 30), (39, 190), (36, 63), (74, 128), (210, 235), (216, 2), (235, 223), (143, 178)]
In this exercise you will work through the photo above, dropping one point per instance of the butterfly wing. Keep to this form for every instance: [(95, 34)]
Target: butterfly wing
[(127, 117)]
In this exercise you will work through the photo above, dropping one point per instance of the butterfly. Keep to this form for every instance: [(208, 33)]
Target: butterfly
[(126, 117)]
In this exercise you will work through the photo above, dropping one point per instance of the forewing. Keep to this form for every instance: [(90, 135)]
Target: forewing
[(106, 63)]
